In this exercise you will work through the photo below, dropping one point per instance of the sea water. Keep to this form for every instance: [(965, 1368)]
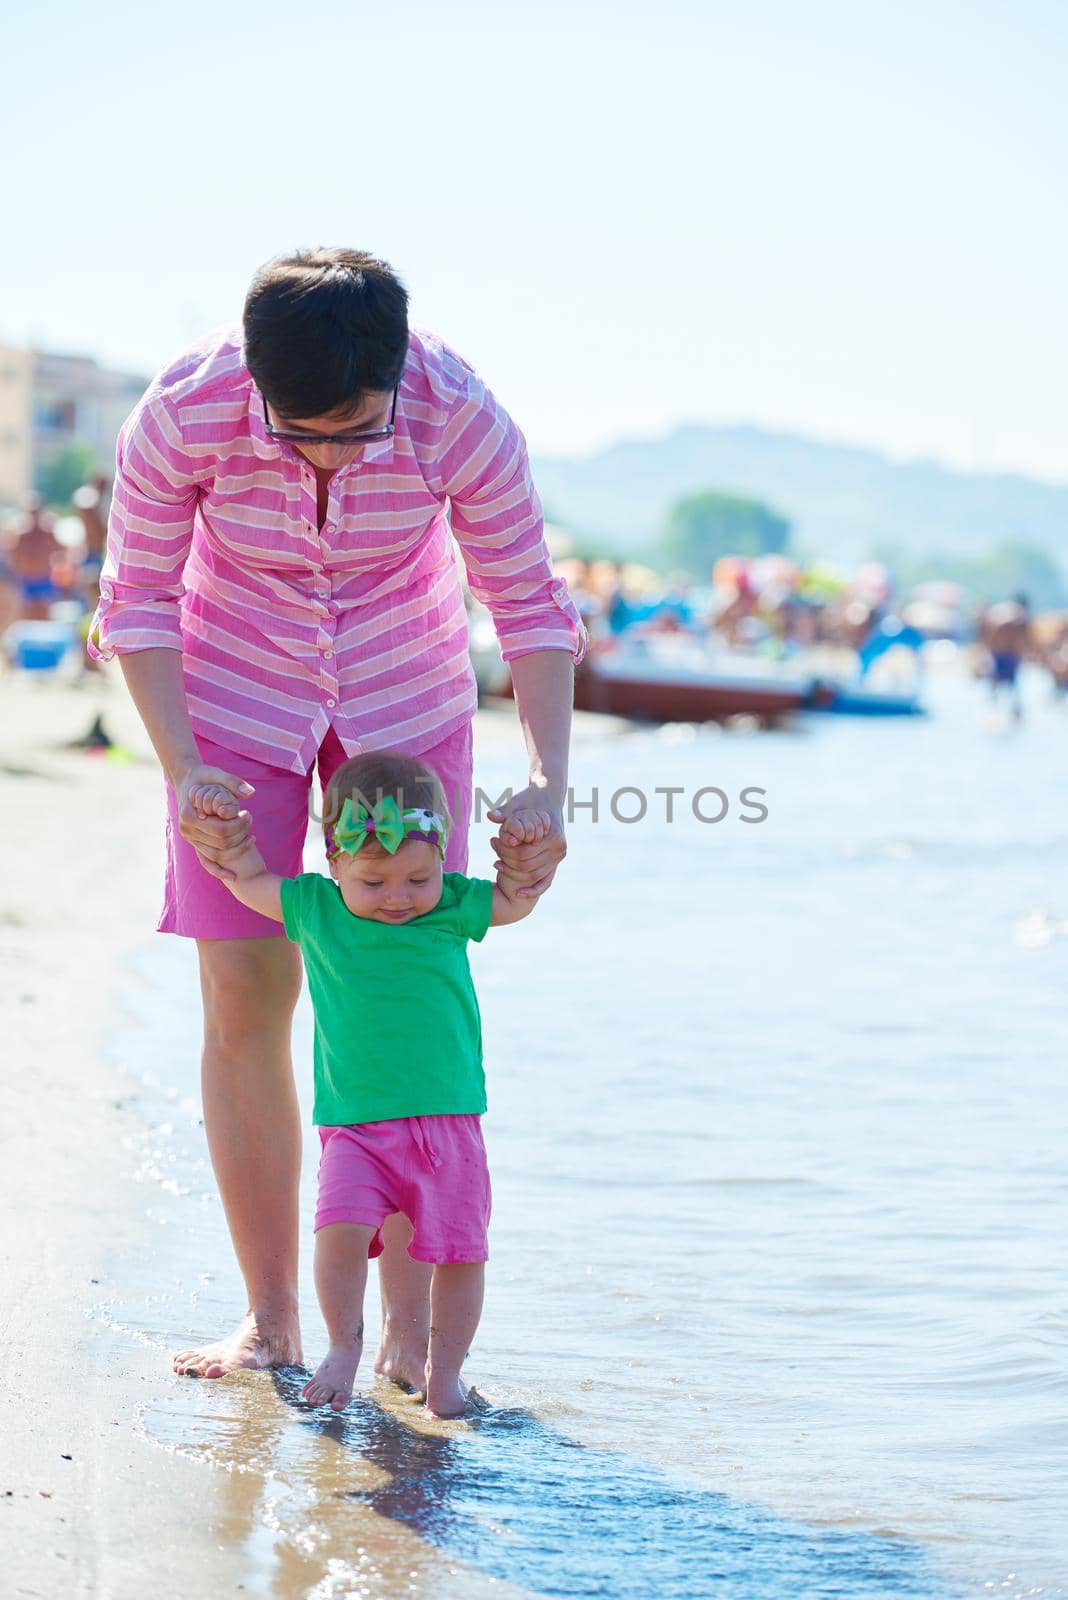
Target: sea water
[(777, 1298)]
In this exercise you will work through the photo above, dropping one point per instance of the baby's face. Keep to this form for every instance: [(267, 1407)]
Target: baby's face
[(389, 888)]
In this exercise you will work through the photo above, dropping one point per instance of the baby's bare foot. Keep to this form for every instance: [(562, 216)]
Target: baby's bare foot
[(447, 1396), (253, 1344), (331, 1383)]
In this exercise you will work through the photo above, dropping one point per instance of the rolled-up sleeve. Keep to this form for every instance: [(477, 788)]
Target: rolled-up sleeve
[(150, 530), (497, 522)]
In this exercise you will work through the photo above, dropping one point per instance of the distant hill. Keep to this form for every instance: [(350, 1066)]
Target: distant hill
[(844, 502)]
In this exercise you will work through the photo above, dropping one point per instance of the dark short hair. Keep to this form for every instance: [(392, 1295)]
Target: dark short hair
[(323, 326)]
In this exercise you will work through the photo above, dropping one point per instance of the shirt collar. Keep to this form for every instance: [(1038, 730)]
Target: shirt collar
[(270, 450)]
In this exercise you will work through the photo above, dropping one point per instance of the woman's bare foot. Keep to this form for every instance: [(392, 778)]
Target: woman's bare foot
[(402, 1362), (253, 1344), (404, 1287), (331, 1383)]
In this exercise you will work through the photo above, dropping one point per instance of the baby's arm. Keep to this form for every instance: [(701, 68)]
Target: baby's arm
[(524, 827), (508, 905), (251, 883)]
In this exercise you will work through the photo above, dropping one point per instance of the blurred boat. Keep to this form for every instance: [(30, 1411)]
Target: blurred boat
[(662, 691), (673, 678), (694, 687), (853, 700)]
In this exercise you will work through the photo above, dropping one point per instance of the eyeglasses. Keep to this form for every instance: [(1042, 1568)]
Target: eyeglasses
[(357, 436)]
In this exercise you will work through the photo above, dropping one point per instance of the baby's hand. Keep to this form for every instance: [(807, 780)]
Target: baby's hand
[(525, 827), (212, 800)]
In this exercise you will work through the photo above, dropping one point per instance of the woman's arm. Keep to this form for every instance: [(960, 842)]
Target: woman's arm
[(496, 519), (544, 685), (138, 618), (543, 681), (154, 679)]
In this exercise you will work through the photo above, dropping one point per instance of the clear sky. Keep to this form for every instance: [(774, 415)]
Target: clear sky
[(846, 219)]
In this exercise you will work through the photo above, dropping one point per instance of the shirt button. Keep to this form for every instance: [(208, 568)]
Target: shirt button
[(328, 653), (331, 702)]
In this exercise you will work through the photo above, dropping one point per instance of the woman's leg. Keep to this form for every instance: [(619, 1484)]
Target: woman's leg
[(455, 1308), (250, 988), (404, 1286), (340, 1281)]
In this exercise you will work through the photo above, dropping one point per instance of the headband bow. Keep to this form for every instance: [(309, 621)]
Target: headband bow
[(389, 825)]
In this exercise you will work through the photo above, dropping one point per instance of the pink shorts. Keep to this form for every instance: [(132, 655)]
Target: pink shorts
[(433, 1169), (201, 907)]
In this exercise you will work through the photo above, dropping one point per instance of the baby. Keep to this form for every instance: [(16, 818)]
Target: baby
[(399, 1085)]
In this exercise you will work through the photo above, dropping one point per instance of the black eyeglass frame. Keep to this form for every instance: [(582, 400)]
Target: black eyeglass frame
[(361, 436)]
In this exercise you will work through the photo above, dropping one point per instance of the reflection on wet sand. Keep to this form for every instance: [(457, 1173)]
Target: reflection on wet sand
[(291, 1491), (384, 1501)]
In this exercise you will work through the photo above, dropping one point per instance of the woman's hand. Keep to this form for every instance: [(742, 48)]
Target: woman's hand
[(210, 817), (530, 842)]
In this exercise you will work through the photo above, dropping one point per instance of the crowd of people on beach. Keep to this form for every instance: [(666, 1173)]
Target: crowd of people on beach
[(768, 606), (778, 609), (38, 570)]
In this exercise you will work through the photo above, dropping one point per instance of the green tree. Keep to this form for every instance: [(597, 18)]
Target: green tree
[(1022, 569), (68, 469), (703, 527), (1010, 569)]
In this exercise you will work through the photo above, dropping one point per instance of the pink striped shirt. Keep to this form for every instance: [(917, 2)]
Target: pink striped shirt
[(214, 550)]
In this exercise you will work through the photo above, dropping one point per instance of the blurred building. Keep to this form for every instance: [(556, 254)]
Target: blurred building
[(16, 388), (50, 403)]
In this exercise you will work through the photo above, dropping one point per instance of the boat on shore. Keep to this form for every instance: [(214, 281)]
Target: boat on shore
[(671, 678), (665, 684), (646, 685), (858, 700)]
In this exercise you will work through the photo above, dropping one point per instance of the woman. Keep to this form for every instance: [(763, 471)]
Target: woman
[(281, 589)]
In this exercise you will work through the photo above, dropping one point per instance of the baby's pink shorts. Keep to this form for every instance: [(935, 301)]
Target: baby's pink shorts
[(201, 907), (433, 1169)]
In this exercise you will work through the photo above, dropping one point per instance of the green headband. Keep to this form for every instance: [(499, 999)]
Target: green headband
[(385, 822)]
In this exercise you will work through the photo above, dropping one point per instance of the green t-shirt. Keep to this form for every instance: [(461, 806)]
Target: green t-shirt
[(397, 1025)]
